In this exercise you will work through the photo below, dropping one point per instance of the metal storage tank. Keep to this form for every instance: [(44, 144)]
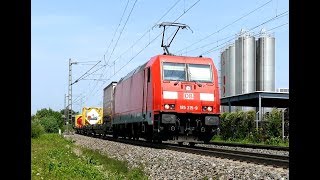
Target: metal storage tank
[(231, 71), (227, 74), (223, 79), (222, 74), (265, 63), (245, 65), (238, 78)]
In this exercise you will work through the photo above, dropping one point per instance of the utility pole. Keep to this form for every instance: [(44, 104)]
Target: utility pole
[(65, 108), (70, 93)]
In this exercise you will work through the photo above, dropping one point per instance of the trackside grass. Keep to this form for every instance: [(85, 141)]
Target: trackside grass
[(54, 157), (277, 142)]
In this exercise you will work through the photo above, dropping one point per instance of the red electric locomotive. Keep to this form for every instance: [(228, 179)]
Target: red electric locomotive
[(168, 98)]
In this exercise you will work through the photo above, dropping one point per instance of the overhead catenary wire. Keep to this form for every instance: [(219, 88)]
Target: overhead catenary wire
[(106, 63), (149, 43), (224, 27), (116, 30), (147, 31), (181, 16), (85, 62), (122, 30), (85, 73), (216, 47), (154, 38), (269, 20)]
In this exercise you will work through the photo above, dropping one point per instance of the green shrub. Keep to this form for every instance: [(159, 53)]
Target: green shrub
[(43, 113), (274, 141), (50, 124), (256, 136), (245, 124), (274, 126), (36, 129)]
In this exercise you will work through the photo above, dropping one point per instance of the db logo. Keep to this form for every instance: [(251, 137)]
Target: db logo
[(188, 96)]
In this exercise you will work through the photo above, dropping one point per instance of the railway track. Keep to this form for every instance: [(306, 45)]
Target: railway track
[(266, 159), (259, 158), (278, 148)]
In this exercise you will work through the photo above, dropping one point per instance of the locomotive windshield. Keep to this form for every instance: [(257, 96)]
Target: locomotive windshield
[(196, 72), (199, 72), (174, 71)]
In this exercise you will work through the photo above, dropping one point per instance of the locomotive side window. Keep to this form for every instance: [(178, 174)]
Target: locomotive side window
[(174, 71), (199, 72)]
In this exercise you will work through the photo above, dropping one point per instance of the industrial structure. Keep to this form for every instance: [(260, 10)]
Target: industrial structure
[(247, 66)]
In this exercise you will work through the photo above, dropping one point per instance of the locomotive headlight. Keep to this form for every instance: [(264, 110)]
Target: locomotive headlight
[(166, 106), (204, 108), (172, 106), (207, 108)]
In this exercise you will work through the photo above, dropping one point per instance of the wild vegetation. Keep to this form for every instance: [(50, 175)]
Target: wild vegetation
[(48, 121), (54, 157), (240, 127)]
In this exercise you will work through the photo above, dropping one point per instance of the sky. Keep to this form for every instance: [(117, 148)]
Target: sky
[(105, 40)]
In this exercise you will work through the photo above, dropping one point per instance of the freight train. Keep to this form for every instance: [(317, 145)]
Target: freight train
[(167, 98)]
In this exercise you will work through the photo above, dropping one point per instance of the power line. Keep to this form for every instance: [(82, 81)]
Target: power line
[(273, 18), (186, 11), (146, 33), (148, 43), (181, 16), (122, 29), (116, 30), (106, 63), (93, 72), (85, 73), (168, 11), (120, 33), (86, 62), (225, 26), (133, 57), (216, 48), (153, 39), (278, 26)]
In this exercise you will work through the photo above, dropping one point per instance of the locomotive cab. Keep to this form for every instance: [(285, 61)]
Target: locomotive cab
[(189, 99)]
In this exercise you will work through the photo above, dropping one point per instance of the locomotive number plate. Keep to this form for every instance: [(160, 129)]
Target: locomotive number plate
[(188, 96)]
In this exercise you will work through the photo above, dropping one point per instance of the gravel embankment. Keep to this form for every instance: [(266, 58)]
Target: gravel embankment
[(167, 164), (264, 151)]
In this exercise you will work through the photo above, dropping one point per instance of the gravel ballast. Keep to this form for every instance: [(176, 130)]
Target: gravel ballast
[(263, 151), (168, 164)]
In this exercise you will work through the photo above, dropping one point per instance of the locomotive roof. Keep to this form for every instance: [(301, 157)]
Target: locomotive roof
[(134, 71), (139, 68)]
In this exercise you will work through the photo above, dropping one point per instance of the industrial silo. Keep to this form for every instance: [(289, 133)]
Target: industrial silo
[(222, 74), (265, 63), (227, 72), (238, 78), (222, 77), (245, 64), (231, 71)]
